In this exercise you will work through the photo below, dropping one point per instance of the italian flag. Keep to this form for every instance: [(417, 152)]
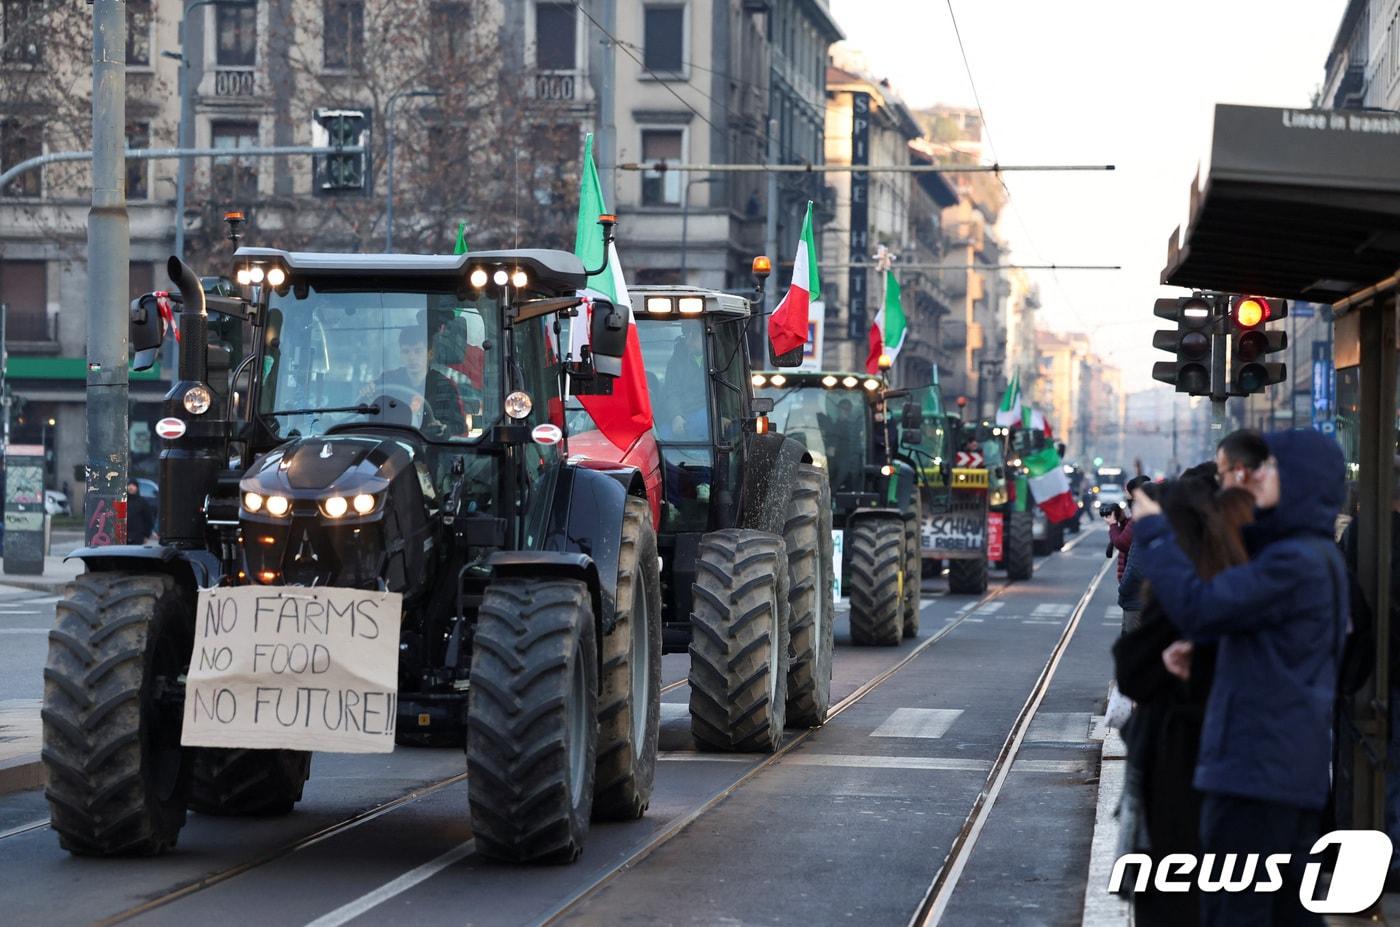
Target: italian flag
[(890, 326), (787, 326), (1049, 484), (625, 415), (1013, 412)]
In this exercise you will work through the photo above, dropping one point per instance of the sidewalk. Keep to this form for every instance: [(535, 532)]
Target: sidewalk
[(20, 742), (57, 573)]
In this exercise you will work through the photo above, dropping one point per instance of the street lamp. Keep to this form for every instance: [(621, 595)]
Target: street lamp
[(389, 191), (186, 87), (685, 223)]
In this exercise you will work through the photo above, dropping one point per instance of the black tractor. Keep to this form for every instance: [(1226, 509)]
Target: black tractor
[(744, 528), (375, 422), (842, 419)]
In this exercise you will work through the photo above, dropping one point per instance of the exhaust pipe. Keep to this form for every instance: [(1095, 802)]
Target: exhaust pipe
[(194, 322)]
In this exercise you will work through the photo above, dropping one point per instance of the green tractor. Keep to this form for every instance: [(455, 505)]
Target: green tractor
[(842, 420), (393, 428), (974, 517)]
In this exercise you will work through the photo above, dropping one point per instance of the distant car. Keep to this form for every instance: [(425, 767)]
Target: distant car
[(1111, 494), (56, 503)]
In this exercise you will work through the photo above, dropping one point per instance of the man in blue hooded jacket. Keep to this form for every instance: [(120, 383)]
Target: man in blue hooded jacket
[(1279, 622)]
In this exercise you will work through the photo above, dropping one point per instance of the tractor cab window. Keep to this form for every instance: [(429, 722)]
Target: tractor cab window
[(420, 359), (677, 377), (833, 424)]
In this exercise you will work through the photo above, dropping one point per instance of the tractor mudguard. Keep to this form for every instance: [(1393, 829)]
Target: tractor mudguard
[(193, 568), (770, 472), (584, 517), (891, 514), (905, 480)]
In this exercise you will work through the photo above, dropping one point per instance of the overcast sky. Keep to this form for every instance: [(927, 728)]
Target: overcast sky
[(1121, 82)]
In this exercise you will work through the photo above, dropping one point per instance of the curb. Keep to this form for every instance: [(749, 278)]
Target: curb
[(21, 773), (54, 586), (1102, 909)]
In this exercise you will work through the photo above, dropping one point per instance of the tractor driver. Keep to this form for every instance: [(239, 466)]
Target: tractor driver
[(685, 384), (436, 397)]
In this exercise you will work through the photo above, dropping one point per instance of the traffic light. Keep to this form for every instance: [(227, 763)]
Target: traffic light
[(1251, 342), (342, 173), (1190, 342)]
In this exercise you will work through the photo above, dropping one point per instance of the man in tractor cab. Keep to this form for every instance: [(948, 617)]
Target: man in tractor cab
[(442, 410), (686, 391)]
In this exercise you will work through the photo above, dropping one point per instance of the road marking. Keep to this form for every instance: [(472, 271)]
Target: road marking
[(991, 608), (857, 761), (1041, 621), (690, 756), (918, 722), (1113, 611), (1052, 610), (1101, 907), (1050, 766), (351, 910), (24, 630), (1066, 727)]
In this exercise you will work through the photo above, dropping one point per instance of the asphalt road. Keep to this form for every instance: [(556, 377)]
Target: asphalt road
[(851, 823)]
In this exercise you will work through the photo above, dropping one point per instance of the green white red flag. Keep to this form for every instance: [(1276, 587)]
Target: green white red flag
[(787, 326), (890, 327), (625, 415), (1049, 485)]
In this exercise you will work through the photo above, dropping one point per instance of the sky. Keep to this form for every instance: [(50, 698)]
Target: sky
[(1123, 82)]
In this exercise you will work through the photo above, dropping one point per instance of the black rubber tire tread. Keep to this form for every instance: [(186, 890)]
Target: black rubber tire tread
[(741, 575), (807, 534), (531, 637), (877, 556), (247, 783), (624, 770), (1019, 554), (967, 577), (99, 729), (913, 575)]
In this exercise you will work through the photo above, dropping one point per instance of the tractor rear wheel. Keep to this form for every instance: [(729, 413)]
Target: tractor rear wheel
[(810, 572), (967, 577), (629, 685), (247, 783), (532, 720), (877, 558), (913, 575), (1019, 555), (739, 642), (117, 775)]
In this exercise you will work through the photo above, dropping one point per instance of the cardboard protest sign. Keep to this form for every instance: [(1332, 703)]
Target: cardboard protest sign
[(298, 668)]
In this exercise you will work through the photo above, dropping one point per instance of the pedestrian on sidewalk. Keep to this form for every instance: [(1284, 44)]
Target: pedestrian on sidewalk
[(1279, 622), (1120, 528), (1239, 457), (1170, 686), (140, 515)]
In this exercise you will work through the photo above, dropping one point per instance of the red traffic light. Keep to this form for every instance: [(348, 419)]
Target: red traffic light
[(1251, 311)]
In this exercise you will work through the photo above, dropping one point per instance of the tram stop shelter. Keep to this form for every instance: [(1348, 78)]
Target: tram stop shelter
[(1305, 204)]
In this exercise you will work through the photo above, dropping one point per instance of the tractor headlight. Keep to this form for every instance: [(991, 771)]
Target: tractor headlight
[(872, 384), (197, 400), (778, 380), (363, 503), (276, 276), (335, 507), (887, 470), (519, 404), (243, 277), (759, 379), (278, 505), (478, 278), (828, 381), (252, 502), (519, 279), (255, 274), (849, 382), (691, 305), (500, 277)]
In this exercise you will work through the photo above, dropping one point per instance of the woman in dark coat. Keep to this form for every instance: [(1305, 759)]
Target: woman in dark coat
[(1164, 734)]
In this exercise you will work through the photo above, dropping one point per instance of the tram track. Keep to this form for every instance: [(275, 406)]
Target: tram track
[(940, 892)]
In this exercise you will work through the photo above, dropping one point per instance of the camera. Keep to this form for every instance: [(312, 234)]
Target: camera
[(1109, 509)]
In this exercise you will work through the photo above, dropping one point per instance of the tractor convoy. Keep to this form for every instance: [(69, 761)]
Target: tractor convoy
[(414, 434)]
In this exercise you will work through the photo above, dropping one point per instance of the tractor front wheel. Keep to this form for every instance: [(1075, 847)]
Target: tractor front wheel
[(913, 575), (248, 783), (532, 723), (810, 571), (967, 576), (877, 599), (1019, 555)]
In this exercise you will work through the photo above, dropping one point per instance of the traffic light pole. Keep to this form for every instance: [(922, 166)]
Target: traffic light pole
[(1219, 370)]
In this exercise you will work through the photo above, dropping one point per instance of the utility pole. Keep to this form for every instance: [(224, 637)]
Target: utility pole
[(109, 250), (1219, 371), (770, 234), (606, 136)]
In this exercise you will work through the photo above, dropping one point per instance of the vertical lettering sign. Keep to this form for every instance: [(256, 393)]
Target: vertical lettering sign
[(294, 668), (1322, 386), (856, 325)]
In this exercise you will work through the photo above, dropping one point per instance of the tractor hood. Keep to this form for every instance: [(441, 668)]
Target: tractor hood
[(314, 468)]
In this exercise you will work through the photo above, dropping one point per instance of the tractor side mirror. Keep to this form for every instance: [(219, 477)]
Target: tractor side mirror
[(762, 405), (911, 416), (608, 337), (792, 358), (146, 330), (911, 437)]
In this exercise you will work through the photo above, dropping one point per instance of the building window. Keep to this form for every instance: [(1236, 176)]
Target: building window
[(237, 34), (20, 141), (25, 285), (452, 32), (235, 180), (661, 188), (138, 135), (138, 33), (556, 43), (665, 39), (23, 25), (344, 38)]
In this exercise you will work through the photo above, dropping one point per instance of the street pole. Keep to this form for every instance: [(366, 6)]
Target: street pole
[(606, 136), (389, 185), (109, 250), (685, 226), (1220, 343), (770, 234)]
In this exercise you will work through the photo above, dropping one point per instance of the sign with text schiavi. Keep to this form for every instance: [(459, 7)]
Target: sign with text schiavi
[(296, 668), (856, 325)]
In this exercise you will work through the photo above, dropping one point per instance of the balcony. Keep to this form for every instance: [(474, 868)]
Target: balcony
[(560, 86)]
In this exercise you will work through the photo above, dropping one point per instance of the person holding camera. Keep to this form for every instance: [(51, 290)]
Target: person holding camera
[(1120, 528)]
